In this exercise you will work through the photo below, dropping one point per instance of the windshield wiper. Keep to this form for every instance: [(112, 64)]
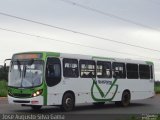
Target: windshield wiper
[(29, 62), (11, 66), (24, 69), (19, 68)]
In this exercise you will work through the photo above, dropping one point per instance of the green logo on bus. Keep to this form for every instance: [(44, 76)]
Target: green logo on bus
[(103, 95)]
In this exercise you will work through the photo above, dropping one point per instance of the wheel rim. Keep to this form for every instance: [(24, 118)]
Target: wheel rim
[(68, 102)]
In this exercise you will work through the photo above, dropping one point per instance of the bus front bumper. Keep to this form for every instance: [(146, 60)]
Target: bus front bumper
[(26, 101)]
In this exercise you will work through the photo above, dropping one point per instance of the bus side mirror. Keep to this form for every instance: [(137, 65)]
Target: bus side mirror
[(5, 66)]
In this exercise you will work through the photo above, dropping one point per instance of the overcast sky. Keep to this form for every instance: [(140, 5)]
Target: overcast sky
[(69, 16)]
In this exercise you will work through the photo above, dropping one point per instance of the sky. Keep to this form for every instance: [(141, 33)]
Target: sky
[(133, 22)]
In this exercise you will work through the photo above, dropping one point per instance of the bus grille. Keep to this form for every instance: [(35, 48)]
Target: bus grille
[(20, 101), (22, 95)]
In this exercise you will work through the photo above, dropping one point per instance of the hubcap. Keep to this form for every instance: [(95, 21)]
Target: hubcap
[(68, 102)]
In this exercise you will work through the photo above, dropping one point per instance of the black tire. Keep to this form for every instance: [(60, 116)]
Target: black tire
[(36, 107), (98, 103), (68, 102), (126, 97), (118, 103), (125, 100)]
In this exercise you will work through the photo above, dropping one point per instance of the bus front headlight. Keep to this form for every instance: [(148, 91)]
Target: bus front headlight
[(37, 93)]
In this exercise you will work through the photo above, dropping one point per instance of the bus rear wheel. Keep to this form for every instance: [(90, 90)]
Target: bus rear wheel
[(68, 102), (125, 100), (126, 97)]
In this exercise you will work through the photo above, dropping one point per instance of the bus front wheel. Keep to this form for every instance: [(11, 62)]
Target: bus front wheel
[(68, 102)]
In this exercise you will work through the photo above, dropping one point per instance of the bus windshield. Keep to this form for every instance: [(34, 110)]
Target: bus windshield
[(26, 73)]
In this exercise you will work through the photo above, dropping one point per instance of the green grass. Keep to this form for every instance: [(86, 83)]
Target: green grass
[(157, 89), (3, 88)]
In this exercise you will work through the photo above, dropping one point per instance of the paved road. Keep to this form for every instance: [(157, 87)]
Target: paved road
[(147, 106)]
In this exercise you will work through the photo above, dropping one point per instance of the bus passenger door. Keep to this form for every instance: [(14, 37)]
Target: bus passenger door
[(53, 71), (53, 77)]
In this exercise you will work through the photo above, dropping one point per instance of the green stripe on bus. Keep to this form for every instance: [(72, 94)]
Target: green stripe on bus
[(106, 58), (149, 62)]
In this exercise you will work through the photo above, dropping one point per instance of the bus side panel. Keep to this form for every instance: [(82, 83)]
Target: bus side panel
[(139, 88), (80, 87)]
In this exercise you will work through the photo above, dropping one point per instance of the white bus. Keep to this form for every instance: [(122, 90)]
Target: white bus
[(39, 79)]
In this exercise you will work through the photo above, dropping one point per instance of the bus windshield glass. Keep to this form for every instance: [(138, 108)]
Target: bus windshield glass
[(26, 73)]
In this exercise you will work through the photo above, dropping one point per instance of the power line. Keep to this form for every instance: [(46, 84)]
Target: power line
[(110, 15), (81, 33), (52, 39)]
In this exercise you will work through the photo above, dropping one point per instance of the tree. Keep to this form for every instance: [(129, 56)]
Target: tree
[(4, 73)]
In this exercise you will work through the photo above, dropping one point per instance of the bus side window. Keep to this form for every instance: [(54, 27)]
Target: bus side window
[(104, 69), (144, 71), (50, 70), (119, 70), (132, 71), (87, 68), (70, 68), (53, 71), (151, 71)]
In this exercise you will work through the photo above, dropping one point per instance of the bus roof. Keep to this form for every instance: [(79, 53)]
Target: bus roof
[(80, 56)]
